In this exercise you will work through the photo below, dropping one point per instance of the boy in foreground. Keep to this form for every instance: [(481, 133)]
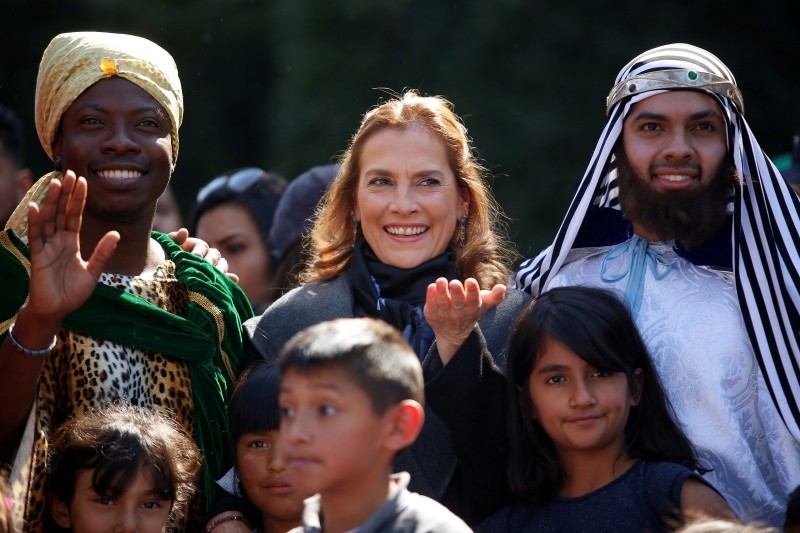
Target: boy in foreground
[(351, 399)]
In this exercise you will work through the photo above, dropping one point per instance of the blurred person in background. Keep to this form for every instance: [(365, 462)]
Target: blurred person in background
[(168, 214), (792, 174), (234, 213), (15, 180), (292, 222)]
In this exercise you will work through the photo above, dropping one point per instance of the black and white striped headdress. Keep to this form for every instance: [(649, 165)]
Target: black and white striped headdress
[(766, 214)]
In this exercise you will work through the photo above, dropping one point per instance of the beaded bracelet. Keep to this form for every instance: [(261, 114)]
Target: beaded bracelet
[(26, 351), (224, 519)]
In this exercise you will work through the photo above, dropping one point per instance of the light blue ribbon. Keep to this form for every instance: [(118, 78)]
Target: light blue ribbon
[(639, 256), (381, 302)]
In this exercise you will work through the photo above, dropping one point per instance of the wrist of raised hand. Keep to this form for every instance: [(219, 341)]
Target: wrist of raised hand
[(35, 331), (448, 347)]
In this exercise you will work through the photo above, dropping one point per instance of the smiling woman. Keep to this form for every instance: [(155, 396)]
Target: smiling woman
[(408, 232), (407, 199)]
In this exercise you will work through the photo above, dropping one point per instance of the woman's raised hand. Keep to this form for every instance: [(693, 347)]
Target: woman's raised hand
[(452, 309)]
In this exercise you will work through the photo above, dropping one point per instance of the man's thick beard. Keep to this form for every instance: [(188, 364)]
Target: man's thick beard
[(690, 217)]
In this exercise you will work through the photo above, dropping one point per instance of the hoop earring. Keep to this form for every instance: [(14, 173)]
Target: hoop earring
[(462, 231)]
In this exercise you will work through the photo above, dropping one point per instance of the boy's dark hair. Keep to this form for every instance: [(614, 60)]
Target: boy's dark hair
[(253, 406), (597, 326), (373, 353), (116, 442), (11, 136)]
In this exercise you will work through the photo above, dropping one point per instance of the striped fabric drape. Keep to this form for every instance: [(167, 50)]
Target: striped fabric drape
[(766, 234)]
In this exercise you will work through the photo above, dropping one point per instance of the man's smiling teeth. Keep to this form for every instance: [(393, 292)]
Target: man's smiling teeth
[(119, 174), (406, 231), (675, 177)]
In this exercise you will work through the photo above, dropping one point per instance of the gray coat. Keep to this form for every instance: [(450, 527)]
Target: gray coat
[(328, 300)]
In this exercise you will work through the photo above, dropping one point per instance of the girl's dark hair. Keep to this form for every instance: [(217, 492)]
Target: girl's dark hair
[(253, 406), (596, 326), (259, 194), (116, 442)]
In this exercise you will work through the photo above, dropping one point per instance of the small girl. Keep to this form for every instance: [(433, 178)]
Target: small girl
[(260, 474), (120, 468), (593, 446)]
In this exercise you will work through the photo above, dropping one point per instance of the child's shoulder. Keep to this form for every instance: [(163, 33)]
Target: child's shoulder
[(663, 480), (415, 513), (664, 474), (640, 499), (420, 514)]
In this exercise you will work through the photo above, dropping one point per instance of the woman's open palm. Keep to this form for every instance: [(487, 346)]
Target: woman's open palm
[(452, 309)]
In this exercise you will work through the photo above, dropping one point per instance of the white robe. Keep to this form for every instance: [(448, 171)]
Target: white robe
[(692, 324)]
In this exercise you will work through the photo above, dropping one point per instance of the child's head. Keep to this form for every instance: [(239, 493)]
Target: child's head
[(253, 406), (254, 422), (371, 353), (595, 326), (120, 464), (351, 398)]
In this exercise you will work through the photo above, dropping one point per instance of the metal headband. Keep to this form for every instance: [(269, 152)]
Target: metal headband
[(675, 79)]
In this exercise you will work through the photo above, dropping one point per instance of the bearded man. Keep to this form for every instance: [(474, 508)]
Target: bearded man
[(682, 212)]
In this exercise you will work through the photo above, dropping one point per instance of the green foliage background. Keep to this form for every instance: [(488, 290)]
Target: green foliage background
[(282, 84)]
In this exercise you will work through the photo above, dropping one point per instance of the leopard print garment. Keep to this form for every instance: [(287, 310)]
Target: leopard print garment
[(85, 372)]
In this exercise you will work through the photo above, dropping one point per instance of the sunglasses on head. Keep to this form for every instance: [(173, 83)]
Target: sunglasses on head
[(239, 181)]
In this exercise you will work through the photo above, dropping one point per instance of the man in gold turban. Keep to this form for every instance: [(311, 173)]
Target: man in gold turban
[(96, 308)]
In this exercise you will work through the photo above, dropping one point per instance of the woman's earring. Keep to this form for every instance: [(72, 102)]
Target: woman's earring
[(462, 231), (355, 228)]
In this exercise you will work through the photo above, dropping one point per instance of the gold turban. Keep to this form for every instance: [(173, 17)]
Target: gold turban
[(73, 62)]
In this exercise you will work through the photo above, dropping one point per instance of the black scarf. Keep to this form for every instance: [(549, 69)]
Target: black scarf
[(397, 295)]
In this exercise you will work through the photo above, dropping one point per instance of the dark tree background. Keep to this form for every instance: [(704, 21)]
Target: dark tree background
[(282, 84)]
